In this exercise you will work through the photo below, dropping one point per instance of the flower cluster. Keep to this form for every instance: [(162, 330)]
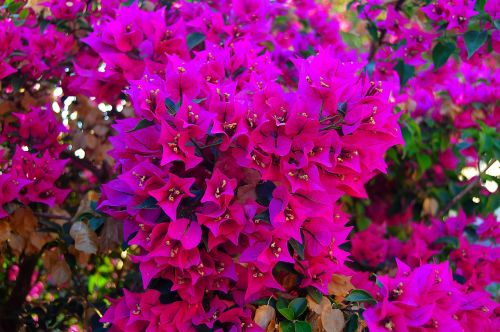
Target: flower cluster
[(31, 172), (226, 172), (31, 52), (428, 299)]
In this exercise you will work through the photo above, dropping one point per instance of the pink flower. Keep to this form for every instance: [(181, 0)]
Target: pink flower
[(171, 193), (133, 311)]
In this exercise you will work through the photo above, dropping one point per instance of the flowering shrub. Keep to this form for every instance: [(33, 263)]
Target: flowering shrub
[(249, 165)]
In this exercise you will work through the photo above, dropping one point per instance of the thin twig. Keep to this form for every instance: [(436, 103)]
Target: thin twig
[(468, 188), (83, 164), (51, 216)]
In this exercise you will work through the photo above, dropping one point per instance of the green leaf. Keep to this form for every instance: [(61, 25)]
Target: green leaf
[(479, 7), (95, 223), (287, 326), (351, 39), (424, 162), (85, 216), (281, 303), (359, 295), (441, 53), (287, 313), (14, 6), (238, 72), (301, 326), (144, 123), (298, 305), (370, 68), (298, 248), (43, 25), (404, 71), (198, 100), (372, 30), (316, 295), (497, 24), (24, 13), (194, 39), (149, 203), (352, 324), (450, 241), (171, 106), (263, 217), (474, 40)]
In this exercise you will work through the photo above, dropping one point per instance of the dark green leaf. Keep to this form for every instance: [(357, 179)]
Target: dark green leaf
[(43, 25), (450, 241), (370, 68), (441, 53), (287, 313), (171, 106), (85, 216), (198, 100), (474, 40), (372, 30), (497, 24), (238, 72), (144, 123), (359, 295), (287, 326), (14, 6), (298, 305), (301, 326), (405, 72), (264, 191), (149, 203), (424, 162), (479, 7), (95, 223), (194, 39), (352, 324), (281, 303), (262, 217), (297, 247)]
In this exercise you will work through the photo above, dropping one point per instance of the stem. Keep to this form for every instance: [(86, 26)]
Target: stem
[(51, 216), (9, 312), (468, 188), (100, 173)]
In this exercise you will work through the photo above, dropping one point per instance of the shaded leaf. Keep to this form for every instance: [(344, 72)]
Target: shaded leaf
[(301, 326), (298, 306), (474, 40), (141, 125), (405, 72), (359, 295), (194, 39), (352, 324), (441, 52), (450, 241), (287, 313), (148, 203), (298, 248), (287, 326)]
